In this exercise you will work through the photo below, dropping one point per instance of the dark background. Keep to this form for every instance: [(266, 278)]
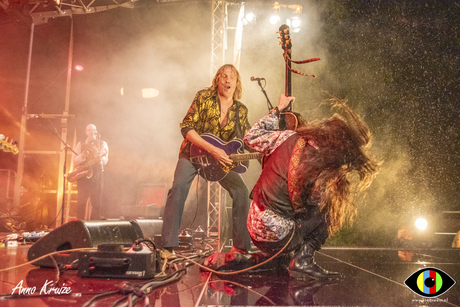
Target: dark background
[(396, 62)]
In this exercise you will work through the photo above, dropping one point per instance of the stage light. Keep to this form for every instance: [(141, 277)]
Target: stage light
[(421, 223), (295, 22), (149, 93), (137, 92), (78, 68), (250, 16), (274, 19)]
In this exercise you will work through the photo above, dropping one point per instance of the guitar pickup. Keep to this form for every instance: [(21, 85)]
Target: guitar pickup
[(201, 160)]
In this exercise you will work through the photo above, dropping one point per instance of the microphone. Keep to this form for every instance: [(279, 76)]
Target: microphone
[(257, 79)]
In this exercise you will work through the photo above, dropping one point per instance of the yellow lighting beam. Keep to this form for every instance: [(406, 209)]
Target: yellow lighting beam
[(296, 7)]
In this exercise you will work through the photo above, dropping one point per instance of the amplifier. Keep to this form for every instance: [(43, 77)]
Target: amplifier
[(110, 261)]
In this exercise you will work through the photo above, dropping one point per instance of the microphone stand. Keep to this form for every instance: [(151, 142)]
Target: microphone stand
[(269, 105), (66, 147)]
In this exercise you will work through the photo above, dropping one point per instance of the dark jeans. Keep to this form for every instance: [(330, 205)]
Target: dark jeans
[(174, 208), (310, 228), (92, 189)]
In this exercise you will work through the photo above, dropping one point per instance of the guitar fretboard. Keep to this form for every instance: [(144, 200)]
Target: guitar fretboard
[(244, 157)]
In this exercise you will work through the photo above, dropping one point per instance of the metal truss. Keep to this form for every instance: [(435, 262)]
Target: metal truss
[(218, 35), (42, 10), (218, 46), (217, 198), (216, 194)]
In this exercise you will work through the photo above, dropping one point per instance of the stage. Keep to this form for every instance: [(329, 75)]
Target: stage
[(372, 277)]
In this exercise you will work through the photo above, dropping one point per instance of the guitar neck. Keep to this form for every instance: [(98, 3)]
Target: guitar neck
[(244, 157), (288, 85)]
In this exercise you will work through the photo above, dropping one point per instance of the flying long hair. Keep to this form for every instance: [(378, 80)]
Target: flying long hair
[(239, 86), (343, 143)]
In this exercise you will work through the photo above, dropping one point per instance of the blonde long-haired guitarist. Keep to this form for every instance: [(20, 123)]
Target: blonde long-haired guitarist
[(92, 155)]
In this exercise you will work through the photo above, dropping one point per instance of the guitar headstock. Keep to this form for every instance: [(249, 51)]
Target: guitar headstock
[(285, 38), (8, 147)]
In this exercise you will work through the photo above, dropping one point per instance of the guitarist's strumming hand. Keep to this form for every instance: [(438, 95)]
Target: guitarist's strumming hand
[(221, 156), (218, 153), (284, 102)]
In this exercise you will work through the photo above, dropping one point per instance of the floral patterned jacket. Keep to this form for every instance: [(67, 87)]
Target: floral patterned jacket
[(265, 224)]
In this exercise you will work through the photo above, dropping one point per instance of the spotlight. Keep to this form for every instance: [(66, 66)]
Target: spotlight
[(250, 16), (421, 223), (78, 68), (137, 92), (295, 22), (274, 19), (149, 93)]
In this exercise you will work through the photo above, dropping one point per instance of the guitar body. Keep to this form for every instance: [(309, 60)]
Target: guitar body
[(209, 167), (289, 120)]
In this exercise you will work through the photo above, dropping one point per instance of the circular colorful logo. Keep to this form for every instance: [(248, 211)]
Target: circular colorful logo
[(429, 282)]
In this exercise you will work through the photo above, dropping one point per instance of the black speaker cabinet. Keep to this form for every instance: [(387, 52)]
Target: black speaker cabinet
[(81, 234), (148, 228)]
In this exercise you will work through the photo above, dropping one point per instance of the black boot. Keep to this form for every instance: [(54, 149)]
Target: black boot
[(303, 266)]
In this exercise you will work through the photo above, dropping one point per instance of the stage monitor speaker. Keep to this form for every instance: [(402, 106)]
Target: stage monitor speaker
[(81, 234), (148, 228)]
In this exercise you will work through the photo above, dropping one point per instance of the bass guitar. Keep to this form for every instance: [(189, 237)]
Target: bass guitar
[(210, 168), (8, 147)]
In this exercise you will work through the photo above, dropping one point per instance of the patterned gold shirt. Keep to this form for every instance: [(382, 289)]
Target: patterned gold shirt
[(203, 116)]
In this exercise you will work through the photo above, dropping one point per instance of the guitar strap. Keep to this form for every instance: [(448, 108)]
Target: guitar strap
[(294, 184), (238, 131)]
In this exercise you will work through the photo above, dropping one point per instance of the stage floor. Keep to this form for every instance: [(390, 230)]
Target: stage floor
[(372, 277)]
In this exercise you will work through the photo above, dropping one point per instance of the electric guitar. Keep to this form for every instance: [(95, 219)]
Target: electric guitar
[(8, 147), (210, 168)]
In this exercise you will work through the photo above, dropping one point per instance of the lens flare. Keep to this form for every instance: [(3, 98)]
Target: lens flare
[(421, 223)]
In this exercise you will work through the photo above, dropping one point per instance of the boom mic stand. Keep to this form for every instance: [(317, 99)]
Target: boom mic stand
[(269, 105), (66, 148)]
